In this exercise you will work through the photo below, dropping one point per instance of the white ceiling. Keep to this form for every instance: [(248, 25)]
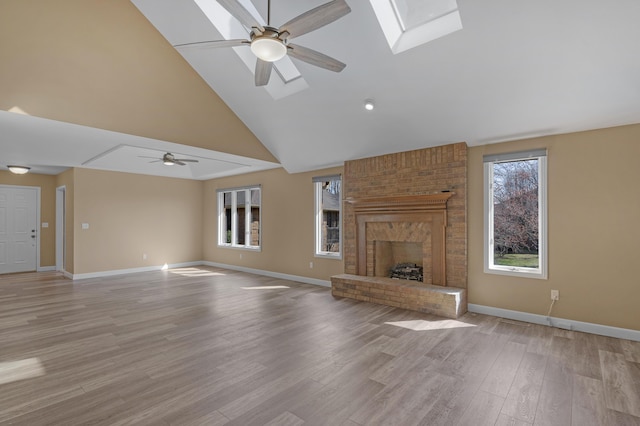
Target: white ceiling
[(517, 69), (50, 147)]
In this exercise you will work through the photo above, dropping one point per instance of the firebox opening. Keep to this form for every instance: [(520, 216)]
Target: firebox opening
[(399, 255)]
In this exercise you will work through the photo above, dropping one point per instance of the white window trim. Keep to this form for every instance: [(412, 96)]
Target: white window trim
[(234, 219), (542, 271), (317, 183)]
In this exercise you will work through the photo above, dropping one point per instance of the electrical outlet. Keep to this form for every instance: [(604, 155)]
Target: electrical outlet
[(555, 295), (310, 265), (144, 256)]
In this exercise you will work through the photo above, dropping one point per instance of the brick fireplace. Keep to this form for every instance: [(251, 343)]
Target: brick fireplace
[(403, 222), (406, 207)]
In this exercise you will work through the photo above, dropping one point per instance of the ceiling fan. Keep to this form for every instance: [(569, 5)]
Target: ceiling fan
[(270, 44), (169, 159)]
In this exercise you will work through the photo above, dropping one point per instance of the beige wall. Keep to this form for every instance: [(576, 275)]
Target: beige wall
[(47, 185), (287, 225), (129, 215), (102, 64), (594, 230)]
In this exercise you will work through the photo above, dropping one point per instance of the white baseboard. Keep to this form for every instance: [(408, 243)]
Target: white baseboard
[(45, 268), (567, 324), (289, 277), (132, 270), (279, 275)]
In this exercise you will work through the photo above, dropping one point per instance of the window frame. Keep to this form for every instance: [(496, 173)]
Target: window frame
[(222, 218), (318, 218), (541, 272)]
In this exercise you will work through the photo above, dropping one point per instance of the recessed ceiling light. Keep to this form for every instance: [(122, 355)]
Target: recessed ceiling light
[(369, 105)]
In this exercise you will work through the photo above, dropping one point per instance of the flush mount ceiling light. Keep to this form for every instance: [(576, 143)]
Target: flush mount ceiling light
[(19, 170), (369, 105)]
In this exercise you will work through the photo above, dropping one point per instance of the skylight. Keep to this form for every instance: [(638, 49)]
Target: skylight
[(410, 23)]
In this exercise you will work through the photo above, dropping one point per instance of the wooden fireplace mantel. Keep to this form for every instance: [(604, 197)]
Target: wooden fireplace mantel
[(401, 203), (428, 208)]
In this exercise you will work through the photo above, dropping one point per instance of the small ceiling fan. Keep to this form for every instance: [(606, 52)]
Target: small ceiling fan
[(270, 44), (169, 159)]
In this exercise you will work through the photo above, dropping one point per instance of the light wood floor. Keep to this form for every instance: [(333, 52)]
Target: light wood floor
[(204, 346)]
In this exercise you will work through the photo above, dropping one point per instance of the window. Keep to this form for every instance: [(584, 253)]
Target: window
[(239, 217), (516, 214), (328, 216)]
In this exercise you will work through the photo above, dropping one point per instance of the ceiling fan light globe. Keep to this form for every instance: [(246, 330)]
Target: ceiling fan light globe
[(168, 163), (268, 49)]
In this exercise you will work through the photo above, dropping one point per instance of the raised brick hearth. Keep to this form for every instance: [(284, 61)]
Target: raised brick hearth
[(416, 197), (450, 302)]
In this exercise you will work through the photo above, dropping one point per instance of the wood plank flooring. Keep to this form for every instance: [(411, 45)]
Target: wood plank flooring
[(207, 346)]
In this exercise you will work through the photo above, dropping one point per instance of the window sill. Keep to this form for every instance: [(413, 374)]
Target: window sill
[(517, 272), (245, 248), (334, 256)]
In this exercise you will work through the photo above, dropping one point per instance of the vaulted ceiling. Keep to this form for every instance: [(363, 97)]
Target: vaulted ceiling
[(109, 71)]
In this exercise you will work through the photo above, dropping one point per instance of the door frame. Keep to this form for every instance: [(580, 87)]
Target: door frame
[(61, 216), (38, 227)]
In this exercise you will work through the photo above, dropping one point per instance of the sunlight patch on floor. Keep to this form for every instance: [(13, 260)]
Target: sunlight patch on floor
[(422, 325), (12, 371), (16, 109), (195, 272), (265, 287)]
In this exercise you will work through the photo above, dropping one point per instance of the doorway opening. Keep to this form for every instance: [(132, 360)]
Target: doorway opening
[(61, 193)]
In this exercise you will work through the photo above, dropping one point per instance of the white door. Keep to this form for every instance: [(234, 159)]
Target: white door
[(18, 228)]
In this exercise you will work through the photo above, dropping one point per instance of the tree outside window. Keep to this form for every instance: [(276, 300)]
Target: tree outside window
[(516, 214)]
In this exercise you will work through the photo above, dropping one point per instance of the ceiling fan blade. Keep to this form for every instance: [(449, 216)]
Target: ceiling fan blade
[(185, 160), (155, 161), (312, 57), (180, 163), (212, 44), (241, 14), (263, 72), (144, 156), (315, 18)]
